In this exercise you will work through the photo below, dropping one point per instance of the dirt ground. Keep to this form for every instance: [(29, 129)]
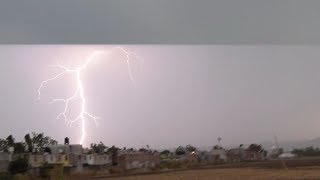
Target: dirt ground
[(303, 168), (231, 173)]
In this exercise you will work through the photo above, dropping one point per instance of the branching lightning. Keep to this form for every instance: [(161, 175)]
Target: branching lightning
[(79, 92)]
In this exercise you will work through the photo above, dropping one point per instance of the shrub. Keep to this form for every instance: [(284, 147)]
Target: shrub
[(18, 166)]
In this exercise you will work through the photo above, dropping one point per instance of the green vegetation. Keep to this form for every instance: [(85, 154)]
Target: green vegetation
[(38, 143), (190, 148), (97, 148), (18, 166), (180, 150), (165, 152), (308, 151)]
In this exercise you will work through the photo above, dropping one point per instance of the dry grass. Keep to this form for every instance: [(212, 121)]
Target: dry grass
[(232, 173)]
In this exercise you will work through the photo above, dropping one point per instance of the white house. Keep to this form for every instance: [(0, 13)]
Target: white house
[(218, 155), (286, 155), (66, 148), (136, 159)]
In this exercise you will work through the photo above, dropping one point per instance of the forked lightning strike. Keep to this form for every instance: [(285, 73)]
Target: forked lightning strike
[(79, 92)]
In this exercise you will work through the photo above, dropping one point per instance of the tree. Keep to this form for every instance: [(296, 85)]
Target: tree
[(47, 150), (3, 145), (19, 147), (39, 141), (97, 148), (165, 152), (180, 151), (113, 150), (28, 141), (190, 148), (143, 150), (10, 141), (255, 148), (308, 151), (18, 166)]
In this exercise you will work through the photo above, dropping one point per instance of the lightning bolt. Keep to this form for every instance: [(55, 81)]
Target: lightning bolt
[(79, 92)]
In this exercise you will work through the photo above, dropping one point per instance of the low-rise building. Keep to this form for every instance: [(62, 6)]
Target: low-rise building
[(287, 155), (217, 156), (66, 148), (136, 159), (36, 160), (57, 159), (235, 154), (98, 159)]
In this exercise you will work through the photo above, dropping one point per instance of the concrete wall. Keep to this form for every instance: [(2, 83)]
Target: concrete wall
[(36, 160), (57, 159), (4, 165), (66, 148), (138, 160), (221, 153), (98, 159), (4, 156)]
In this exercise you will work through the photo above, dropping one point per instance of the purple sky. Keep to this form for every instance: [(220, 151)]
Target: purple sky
[(183, 94)]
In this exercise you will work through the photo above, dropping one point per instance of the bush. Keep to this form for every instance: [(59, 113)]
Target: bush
[(18, 166)]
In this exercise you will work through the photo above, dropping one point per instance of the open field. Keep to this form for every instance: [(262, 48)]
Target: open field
[(231, 173), (294, 169)]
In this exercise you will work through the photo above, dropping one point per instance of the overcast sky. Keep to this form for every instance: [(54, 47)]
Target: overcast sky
[(183, 94), (160, 21)]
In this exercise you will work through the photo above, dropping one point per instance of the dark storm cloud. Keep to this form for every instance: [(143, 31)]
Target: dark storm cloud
[(159, 21)]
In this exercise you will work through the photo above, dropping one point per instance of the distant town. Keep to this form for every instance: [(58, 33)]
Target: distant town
[(41, 156)]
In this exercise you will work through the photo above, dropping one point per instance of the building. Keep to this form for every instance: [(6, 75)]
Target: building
[(98, 159), (217, 156), (66, 148), (57, 159), (136, 159), (67, 154), (235, 154), (245, 154), (36, 160), (253, 156), (287, 155)]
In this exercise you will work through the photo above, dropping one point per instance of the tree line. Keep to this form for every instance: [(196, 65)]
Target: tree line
[(308, 151), (36, 142)]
